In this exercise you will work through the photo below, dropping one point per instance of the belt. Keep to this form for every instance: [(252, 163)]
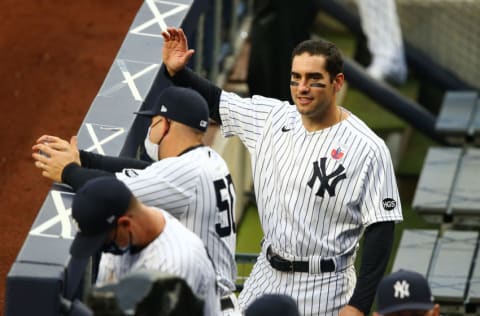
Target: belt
[(226, 303), (282, 264)]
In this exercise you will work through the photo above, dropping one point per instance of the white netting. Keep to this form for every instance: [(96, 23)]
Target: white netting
[(448, 31)]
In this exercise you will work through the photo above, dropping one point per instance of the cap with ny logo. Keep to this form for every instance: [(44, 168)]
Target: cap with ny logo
[(404, 290)]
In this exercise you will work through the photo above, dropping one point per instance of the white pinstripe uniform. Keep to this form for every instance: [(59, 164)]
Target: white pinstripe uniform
[(196, 188), (316, 192), (176, 250)]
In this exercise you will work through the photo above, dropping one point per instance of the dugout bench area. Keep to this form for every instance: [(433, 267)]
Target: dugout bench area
[(448, 194)]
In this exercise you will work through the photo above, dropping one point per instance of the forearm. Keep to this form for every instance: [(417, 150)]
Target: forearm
[(377, 246), (187, 78), (108, 163), (76, 176)]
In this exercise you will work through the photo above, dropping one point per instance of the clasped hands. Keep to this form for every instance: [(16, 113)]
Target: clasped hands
[(52, 154)]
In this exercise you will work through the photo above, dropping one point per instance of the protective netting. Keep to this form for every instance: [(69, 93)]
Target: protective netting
[(447, 31)]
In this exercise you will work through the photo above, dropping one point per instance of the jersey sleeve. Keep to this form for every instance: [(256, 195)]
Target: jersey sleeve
[(212, 303), (245, 117), (168, 184), (381, 200), (204, 275)]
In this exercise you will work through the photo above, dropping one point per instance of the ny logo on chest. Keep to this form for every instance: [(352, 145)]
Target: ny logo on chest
[(328, 182)]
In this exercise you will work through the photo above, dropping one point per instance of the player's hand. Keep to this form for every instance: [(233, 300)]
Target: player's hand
[(175, 52), (52, 154), (349, 310), (62, 145)]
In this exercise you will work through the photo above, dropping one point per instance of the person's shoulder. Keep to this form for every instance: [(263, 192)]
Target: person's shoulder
[(365, 133), (180, 160), (260, 99), (177, 228), (203, 156), (258, 103)]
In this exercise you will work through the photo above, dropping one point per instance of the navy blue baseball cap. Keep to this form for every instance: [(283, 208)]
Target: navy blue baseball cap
[(404, 290), (182, 105), (96, 207), (272, 305)]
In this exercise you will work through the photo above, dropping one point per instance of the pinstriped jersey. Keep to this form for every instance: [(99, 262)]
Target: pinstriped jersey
[(197, 189), (177, 251), (316, 191)]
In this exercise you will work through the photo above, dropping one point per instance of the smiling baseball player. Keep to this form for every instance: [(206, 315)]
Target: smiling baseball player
[(322, 180)]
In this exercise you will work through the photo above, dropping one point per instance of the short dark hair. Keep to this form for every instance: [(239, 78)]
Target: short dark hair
[(333, 56)]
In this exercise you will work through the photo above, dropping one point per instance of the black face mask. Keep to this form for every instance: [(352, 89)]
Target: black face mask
[(113, 248)]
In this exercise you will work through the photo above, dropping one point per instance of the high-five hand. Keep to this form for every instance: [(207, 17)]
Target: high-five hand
[(175, 52)]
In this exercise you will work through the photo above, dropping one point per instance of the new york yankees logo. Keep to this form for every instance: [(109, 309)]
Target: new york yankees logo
[(401, 289), (320, 173)]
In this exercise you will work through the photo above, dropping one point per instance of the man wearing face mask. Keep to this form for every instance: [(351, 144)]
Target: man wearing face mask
[(188, 179), (134, 236)]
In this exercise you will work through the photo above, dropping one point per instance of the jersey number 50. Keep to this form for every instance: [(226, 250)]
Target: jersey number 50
[(225, 203)]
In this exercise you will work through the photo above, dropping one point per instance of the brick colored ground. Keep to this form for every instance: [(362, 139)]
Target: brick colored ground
[(54, 56)]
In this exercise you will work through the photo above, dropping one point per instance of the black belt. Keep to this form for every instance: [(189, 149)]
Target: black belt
[(282, 264), (226, 303)]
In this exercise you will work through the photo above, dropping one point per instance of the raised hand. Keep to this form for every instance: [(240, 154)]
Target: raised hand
[(175, 52)]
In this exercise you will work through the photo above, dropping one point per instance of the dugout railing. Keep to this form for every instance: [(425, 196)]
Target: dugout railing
[(43, 279)]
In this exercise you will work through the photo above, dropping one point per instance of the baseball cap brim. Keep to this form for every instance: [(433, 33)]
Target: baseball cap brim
[(406, 307), (148, 113), (84, 246)]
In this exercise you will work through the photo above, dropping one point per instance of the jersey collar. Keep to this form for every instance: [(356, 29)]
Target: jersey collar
[(190, 149)]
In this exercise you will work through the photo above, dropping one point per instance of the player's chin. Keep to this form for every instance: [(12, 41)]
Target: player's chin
[(304, 109)]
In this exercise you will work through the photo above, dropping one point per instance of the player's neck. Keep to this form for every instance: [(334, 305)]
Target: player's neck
[(175, 149), (332, 116), (152, 223), (180, 138)]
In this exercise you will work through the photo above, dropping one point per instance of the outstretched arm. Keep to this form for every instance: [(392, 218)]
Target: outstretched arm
[(109, 163), (61, 161), (86, 159)]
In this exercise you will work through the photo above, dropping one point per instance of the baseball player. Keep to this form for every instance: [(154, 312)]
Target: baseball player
[(322, 180), (188, 179), (134, 236)]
